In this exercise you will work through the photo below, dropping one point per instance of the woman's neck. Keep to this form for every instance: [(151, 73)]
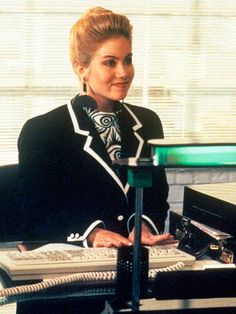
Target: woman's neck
[(105, 105)]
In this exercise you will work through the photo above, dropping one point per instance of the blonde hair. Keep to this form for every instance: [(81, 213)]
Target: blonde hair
[(95, 26)]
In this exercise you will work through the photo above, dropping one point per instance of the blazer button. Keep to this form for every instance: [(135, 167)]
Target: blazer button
[(120, 218)]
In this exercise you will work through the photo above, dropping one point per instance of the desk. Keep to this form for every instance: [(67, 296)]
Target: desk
[(107, 292)]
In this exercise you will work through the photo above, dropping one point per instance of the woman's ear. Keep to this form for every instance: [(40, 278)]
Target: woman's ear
[(79, 70), (82, 72)]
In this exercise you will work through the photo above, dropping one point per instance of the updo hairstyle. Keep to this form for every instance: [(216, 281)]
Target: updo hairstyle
[(95, 26)]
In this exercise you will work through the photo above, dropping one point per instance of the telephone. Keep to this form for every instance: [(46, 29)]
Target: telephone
[(191, 239), (198, 239)]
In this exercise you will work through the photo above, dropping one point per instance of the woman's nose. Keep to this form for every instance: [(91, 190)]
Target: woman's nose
[(121, 71)]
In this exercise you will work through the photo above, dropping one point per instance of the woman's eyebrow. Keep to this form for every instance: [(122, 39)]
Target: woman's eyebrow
[(114, 57)]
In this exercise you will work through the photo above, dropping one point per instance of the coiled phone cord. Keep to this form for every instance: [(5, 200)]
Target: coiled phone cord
[(77, 277)]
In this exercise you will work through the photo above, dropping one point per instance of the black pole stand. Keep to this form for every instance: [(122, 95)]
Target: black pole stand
[(139, 176), (137, 250)]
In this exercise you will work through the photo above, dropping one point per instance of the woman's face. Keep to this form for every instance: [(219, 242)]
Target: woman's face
[(110, 73)]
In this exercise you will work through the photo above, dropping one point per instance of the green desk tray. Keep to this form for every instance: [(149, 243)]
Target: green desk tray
[(187, 153)]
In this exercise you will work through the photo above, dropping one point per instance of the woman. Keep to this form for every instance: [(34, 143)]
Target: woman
[(72, 189), (66, 156)]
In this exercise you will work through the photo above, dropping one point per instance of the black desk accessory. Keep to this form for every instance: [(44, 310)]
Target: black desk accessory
[(125, 272)]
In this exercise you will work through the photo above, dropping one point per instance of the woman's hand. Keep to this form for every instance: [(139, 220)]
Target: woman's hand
[(104, 238), (147, 238)]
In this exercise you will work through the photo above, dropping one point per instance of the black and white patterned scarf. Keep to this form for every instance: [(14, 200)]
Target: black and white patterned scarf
[(106, 123)]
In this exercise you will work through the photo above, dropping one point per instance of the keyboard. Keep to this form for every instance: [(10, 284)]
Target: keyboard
[(29, 265)]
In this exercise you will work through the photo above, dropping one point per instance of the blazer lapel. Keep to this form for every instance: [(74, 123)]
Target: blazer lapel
[(132, 142)]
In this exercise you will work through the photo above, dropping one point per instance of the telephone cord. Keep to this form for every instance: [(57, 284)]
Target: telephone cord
[(77, 277)]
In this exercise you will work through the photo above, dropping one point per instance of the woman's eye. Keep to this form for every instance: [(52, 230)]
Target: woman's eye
[(110, 63), (128, 60)]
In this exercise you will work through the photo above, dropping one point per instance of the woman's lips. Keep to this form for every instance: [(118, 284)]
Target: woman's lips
[(120, 84)]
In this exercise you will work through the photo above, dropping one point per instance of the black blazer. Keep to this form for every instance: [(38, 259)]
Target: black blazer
[(70, 184)]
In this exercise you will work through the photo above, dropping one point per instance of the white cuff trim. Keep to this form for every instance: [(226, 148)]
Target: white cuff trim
[(75, 237), (149, 220), (146, 218)]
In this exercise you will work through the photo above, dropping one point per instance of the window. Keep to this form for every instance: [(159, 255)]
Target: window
[(184, 56)]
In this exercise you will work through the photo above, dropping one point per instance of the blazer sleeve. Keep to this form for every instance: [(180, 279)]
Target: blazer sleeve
[(53, 206), (39, 171)]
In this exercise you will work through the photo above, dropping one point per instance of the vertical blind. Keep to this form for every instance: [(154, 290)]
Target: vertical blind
[(184, 57)]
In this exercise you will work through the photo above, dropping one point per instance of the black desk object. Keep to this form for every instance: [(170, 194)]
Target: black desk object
[(212, 204)]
